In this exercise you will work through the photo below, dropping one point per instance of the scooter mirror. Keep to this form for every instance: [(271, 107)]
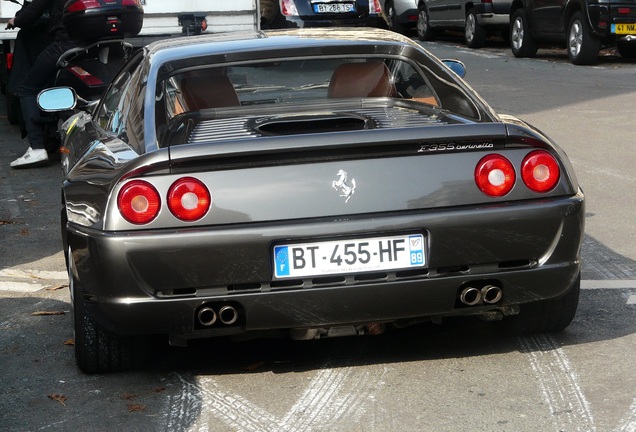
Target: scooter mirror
[(57, 99)]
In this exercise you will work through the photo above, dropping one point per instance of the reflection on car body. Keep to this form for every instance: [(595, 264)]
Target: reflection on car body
[(307, 183)]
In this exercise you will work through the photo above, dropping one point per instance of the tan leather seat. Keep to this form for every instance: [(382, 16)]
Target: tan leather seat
[(201, 91), (356, 80)]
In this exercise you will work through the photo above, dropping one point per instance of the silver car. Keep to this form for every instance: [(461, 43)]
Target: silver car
[(476, 19)]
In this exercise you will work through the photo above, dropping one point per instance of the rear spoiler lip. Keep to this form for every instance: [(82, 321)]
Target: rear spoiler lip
[(486, 132)]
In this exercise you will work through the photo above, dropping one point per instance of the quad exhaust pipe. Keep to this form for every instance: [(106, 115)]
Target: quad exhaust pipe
[(488, 294), (208, 315)]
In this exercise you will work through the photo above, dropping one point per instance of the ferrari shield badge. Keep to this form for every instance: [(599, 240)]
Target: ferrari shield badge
[(346, 189)]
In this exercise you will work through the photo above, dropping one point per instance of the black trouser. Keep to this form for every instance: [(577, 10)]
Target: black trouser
[(37, 79)]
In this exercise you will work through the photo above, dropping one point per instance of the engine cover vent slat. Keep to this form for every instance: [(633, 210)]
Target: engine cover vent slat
[(247, 127)]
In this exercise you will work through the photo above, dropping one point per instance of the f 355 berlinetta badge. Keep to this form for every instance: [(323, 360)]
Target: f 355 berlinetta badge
[(341, 184)]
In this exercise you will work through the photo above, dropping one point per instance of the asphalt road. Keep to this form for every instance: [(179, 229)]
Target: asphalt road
[(462, 375)]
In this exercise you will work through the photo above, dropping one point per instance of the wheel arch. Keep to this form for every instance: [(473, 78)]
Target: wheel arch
[(468, 6), (571, 8), (517, 4)]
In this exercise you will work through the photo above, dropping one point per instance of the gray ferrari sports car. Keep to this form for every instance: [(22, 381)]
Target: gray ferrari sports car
[(307, 183)]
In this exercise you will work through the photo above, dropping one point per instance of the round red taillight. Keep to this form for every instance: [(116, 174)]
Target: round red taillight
[(138, 202), (495, 175), (540, 171), (189, 199)]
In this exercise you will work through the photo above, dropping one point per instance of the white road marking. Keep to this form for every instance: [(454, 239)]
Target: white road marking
[(628, 424), (559, 384), (608, 284), (29, 281), (631, 300), (23, 287)]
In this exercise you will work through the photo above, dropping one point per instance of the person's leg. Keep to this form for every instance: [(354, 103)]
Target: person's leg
[(38, 77)]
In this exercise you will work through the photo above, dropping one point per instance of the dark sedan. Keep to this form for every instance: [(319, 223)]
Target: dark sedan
[(279, 14), (306, 183)]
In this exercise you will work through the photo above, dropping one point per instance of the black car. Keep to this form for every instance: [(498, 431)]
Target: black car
[(584, 26), (279, 14), (306, 183)]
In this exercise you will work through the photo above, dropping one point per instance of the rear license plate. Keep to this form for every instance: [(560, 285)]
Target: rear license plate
[(334, 8), (349, 256), (624, 28)]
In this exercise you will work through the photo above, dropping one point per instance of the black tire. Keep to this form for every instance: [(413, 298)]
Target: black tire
[(582, 46), (396, 26), (424, 30), (545, 316), (96, 350), (626, 49), (521, 42), (474, 34)]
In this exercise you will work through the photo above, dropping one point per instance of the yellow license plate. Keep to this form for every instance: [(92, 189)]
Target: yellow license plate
[(624, 28)]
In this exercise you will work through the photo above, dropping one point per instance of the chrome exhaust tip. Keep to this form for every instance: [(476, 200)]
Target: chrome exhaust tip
[(470, 296), (206, 316), (491, 294), (228, 315)]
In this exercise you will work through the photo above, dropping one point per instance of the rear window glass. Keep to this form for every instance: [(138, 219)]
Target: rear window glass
[(302, 83)]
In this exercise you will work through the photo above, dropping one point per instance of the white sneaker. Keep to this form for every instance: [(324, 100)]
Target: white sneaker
[(31, 158)]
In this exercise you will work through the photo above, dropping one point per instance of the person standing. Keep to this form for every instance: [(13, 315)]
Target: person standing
[(39, 76)]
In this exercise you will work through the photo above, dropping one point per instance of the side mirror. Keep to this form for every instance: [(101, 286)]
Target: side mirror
[(57, 99), (456, 66)]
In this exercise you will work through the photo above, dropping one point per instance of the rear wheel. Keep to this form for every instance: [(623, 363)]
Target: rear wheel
[(96, 350), (546, 315), (583, 46), (521, 42), (474, 34), (424, 30)]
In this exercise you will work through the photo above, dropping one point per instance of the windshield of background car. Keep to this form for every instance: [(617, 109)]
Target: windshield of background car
[(301, 85)]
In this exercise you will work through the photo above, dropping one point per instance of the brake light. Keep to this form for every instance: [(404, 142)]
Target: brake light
[(495, 175), (9, 60), (82, 5), (288, 8), (86, 77), (130, 3), (138, 202), (375, 7), (189, 199), (540, 171)]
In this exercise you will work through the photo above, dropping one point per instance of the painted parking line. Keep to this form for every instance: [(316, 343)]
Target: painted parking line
[(608, 284), (29, 281)]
